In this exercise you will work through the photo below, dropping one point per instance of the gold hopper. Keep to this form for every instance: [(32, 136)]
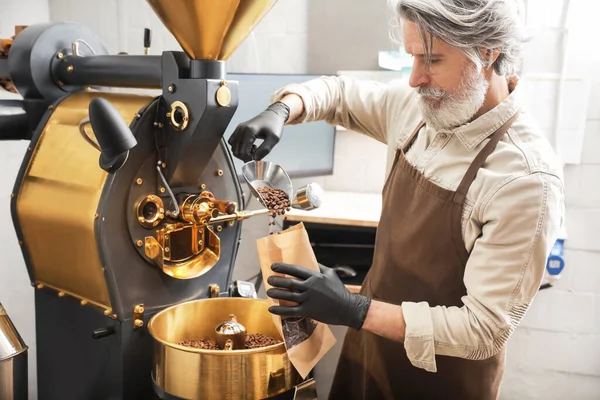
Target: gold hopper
[(210, 29)]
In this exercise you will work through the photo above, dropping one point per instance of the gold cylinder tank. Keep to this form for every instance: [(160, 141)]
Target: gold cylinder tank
[(192, 373)]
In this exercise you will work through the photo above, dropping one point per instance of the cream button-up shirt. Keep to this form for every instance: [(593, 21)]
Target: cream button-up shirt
[(512, 216)]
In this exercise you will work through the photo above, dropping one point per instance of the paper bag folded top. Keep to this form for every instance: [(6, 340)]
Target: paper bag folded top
[(306, 340)]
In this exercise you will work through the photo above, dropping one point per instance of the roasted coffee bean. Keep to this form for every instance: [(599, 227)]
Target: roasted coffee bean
[(253, 341), (256, 340), (275, 199), (205, 344)]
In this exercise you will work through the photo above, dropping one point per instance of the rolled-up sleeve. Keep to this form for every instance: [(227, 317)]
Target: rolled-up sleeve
[(357, 105), (521, 223)]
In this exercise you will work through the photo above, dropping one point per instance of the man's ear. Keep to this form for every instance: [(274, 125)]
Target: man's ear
[(490, 54)]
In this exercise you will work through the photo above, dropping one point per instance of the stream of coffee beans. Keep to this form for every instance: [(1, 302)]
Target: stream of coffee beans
[(253, 341), (277, 202)]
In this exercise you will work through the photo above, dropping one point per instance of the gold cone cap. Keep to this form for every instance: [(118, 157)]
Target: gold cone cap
[(210, 29)]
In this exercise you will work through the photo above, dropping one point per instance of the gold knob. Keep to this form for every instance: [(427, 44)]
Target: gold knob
[(138, 323), (138, 309), (215, 290)]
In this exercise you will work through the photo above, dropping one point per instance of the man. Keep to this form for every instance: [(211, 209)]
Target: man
[(472, 205)]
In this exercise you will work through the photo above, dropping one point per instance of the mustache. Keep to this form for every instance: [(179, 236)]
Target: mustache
[(431, 92)]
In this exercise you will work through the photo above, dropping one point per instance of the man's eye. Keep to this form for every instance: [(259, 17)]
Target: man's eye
[(435, 60)]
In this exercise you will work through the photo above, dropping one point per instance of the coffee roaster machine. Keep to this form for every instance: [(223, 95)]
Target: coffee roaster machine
[(128, 205)]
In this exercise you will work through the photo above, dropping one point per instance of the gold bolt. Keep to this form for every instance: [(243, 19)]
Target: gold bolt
[(166, 237), (141, 219), (168, 115), (20, 243), (139, 181), (167, 249), (138, 309), (138, 323), (170, 88), (203, 186), (40, 286), (70, 68), (215, 290), (12, 195), (162, 190), (160, 125), (219, 228), (50, 107), (231, 223), (103, 218), (200, 242), (220, 172), (83, 302), (164, 165), (139, 243), (108, 311), (61, 294), (60, 83), (60, 55), (96, 216)]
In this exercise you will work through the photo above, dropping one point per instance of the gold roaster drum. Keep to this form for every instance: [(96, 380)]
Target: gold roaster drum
[(192, 373)]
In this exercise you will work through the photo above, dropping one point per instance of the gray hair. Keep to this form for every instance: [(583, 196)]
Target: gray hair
[(471, 25)]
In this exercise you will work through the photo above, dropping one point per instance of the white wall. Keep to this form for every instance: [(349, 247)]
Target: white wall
[(555, 354), (311, 36), (16, 293)]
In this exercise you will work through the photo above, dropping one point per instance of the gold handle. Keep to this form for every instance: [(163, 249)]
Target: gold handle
[(86, 135), (238, 215)]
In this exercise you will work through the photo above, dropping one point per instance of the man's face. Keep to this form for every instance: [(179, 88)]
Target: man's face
[(451, 91)]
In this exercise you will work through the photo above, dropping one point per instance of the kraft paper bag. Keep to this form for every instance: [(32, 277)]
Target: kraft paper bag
[(306, 340)]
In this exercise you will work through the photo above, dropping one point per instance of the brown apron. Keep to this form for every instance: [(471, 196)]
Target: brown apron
[(419, 256)]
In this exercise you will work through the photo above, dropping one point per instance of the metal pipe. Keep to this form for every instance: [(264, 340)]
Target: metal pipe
[(14, 124), (110, 70)]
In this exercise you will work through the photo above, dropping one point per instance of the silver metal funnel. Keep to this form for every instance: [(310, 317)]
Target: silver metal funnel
[(13, 361), (259, 174)]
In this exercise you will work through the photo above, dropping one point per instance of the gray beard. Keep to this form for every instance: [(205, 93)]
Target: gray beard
[(454, 109)]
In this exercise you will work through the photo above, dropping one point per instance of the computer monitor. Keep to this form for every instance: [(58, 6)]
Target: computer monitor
[(305, 150)]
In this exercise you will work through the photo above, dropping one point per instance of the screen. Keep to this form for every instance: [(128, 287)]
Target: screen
[(304, 149)]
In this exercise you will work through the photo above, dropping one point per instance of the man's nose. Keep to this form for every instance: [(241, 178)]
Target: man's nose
[(418, 75)]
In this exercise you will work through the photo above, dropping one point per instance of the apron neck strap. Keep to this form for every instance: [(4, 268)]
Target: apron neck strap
[(479, 160), (412, 137)]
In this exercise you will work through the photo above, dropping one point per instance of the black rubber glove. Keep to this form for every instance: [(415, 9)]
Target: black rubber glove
[(268, 126), (321, 296)]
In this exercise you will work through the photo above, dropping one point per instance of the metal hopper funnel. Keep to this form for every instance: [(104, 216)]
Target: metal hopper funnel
[(210, 29)]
